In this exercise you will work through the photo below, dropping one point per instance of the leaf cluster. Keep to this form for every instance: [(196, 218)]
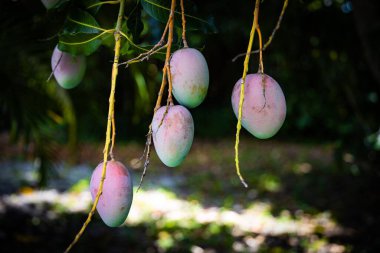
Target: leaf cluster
[(84, 30)]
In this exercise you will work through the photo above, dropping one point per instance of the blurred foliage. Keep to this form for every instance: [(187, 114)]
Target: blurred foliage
[(330, 92)]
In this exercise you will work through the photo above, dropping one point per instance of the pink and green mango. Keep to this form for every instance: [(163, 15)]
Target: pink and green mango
[(68, 69), (116, 199), (190, 77), (172, 135), (264, 106)]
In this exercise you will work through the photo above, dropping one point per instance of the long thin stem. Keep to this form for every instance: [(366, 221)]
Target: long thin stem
[(153, 50), (101, 3), (165, 72), (245, 70), (261, 64), (133, 44), (85, 41), (183, 25), (168, 50), (109, 123), (90, 26), (55, 68), (144, 56), (170, 94), (113, 138), (278, 24)]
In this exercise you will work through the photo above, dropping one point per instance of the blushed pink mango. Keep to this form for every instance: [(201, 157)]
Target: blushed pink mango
[(173, 138), (264, 106), (116, 199), (190, 77), (68, 69)]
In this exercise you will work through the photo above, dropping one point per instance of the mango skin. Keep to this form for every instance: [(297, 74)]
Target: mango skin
[(190, 77), (173, 139), (70, 70), (264, 106), (116, 199)]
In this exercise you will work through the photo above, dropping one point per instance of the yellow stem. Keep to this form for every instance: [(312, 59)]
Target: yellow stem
[(132, 43), (278, 24), (109, 124), (245, 70), (144, 56), (168, 50), (113, 135), (86, 41), (170, 89), (261, 64), (90, 26), (161, 91), (167, 57), (165, 70), (183, 25)]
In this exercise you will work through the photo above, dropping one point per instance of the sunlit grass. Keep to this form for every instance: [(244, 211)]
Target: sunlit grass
[(174, 218), (201, 206)]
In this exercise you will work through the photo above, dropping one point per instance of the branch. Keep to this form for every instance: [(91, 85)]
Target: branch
[(109, 124), (155, 49), (165, 72), (245, 70), (86, 41), (183, 25), (88, 25), (278, 24)]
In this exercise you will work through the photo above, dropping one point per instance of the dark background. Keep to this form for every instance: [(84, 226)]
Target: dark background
[(325, 56)]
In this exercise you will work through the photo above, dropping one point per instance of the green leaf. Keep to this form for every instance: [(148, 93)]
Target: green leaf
[(81, 34), (160, 10), (134, 23), (125, 48), (108, 40)]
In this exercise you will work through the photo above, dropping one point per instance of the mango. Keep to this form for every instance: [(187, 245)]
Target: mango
[(173, 133), (190, 77), (116, 199), (264, 106), (68, 70)]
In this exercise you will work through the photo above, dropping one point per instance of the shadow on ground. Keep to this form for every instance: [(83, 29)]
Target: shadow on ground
[(299, 200)]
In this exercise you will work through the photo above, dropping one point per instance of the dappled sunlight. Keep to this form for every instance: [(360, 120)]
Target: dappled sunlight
[(199, 206), (60, 202), (163, 205), (174, 217), (86, 82)]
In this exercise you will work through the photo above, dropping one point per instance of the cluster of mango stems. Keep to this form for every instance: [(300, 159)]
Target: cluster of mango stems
[(257, 101)]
